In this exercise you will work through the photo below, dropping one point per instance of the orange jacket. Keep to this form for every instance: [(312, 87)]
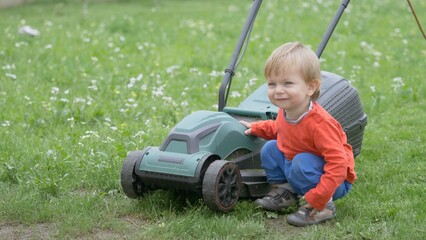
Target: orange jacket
[(317, 133)]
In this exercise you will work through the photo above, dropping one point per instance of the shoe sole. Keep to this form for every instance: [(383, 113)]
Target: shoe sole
[(268, 206), (295, 221)]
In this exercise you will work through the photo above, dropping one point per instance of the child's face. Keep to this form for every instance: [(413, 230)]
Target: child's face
[(291, 92)]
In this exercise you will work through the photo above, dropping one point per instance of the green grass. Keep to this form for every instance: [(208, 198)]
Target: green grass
[(94, 86)]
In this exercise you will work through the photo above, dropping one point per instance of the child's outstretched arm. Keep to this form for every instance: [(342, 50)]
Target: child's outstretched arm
[(248, 126)]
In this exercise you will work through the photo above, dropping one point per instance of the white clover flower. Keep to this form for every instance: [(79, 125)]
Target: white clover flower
[(363, 44), (90, 134), (184, 104), (235, 94), (342, 53), (22, 43), (377, 54), (191, 70), (398, 83), (11, 75), (158, 91), (373, 88), (376, 64), (252, 81), (168, 100), (79, 100), (139, 134), (8, 67), (171, 69), (71, 120), (29, 30), (93, 87), (89, 100), (109, 140), (6, 123), (50, 153), (134, 105), (54, 90), (139, 77), (215, 73)]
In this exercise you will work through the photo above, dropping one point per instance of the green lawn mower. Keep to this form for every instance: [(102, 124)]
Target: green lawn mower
[(209, 154)]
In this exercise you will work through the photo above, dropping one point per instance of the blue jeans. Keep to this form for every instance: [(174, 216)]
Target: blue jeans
[(302, 173)]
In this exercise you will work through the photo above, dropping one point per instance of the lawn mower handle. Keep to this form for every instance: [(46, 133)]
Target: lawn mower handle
[(331, 27), (230, 71)]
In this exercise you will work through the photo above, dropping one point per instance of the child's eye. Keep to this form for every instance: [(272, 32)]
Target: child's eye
[(288, 83), (272, 85)]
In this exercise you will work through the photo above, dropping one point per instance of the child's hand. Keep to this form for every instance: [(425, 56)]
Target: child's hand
[(307, 205), (248, 126), (313, 212)]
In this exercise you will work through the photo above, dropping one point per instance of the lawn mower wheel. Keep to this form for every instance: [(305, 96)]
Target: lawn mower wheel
[(222, 185)]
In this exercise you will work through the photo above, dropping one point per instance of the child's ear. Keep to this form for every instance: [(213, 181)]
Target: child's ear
[(313, 86)]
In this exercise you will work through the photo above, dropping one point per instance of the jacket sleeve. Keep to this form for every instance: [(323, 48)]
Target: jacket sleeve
[(328, 141), (264, 129)]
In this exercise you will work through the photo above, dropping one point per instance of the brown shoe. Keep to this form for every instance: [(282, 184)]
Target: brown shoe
[(281, 196), (302, 217)]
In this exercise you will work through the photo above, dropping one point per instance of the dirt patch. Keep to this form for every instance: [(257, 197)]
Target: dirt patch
[(11, 3), (101, 234), (132, 223), (280, 225), (22, 231), (17, 231)]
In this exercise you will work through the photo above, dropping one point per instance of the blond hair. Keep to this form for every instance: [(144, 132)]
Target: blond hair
[(292, 57)]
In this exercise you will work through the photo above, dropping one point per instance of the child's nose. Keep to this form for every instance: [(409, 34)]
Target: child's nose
[(280, 88)]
